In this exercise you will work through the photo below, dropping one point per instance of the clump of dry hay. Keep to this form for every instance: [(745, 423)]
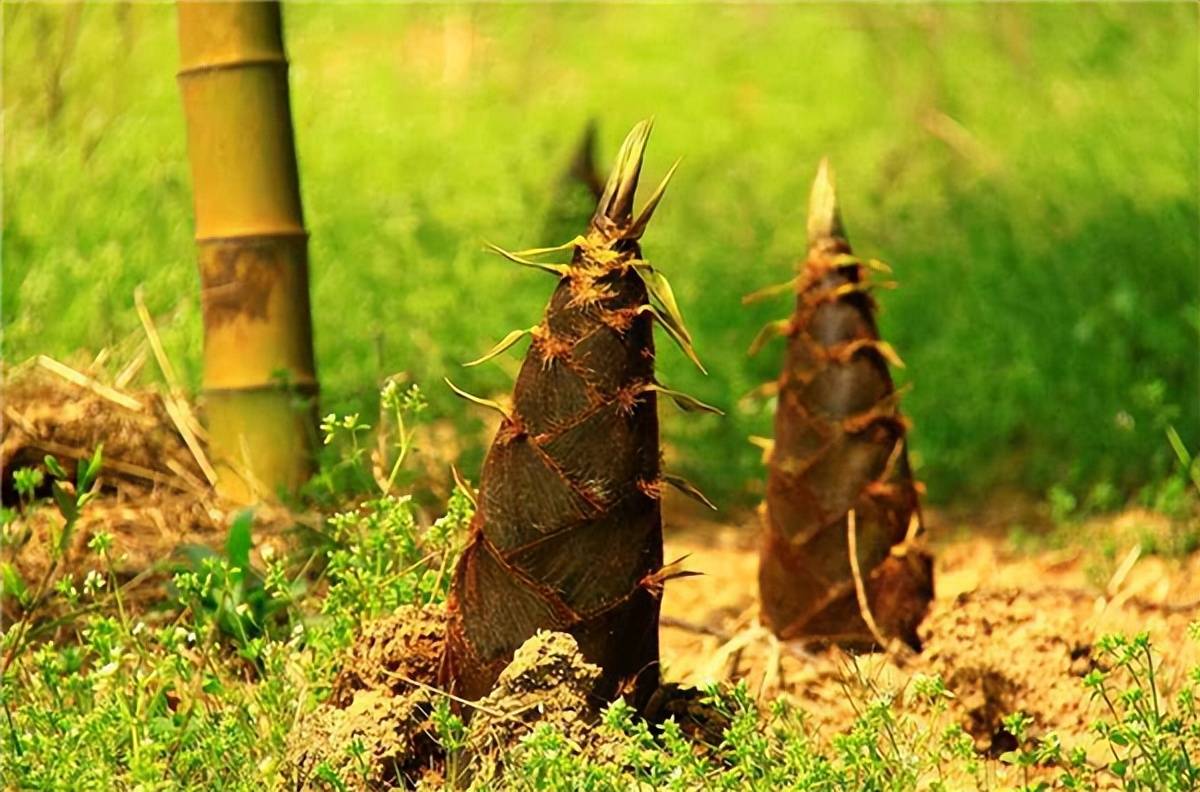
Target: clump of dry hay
[(154, 491), (52, 409)]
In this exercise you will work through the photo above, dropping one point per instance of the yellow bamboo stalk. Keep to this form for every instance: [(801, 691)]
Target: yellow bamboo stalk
[(259, 378)]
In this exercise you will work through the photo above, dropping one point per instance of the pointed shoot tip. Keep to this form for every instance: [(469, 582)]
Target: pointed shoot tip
[(824, 215), (616, 202)]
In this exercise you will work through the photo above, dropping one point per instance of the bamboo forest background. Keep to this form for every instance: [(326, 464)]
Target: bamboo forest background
[(1031, 174)]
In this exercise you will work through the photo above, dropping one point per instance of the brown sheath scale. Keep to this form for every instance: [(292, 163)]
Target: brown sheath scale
[(839, 454), (568, 532)]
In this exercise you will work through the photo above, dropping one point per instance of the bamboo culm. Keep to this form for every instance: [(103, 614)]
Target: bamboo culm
[(259, 378)]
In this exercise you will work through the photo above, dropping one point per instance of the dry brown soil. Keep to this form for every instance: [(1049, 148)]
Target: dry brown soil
[(1007, 630)]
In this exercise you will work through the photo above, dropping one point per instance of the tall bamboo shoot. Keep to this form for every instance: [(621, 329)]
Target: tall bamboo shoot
[(568, 535)]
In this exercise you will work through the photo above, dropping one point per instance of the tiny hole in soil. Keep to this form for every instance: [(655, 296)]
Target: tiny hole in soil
[(1002, 742)]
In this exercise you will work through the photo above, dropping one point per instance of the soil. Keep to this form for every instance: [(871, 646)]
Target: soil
[(385, 695), (548, 681), (395, 653), (383, 700), (1006, 631), (999, 648)]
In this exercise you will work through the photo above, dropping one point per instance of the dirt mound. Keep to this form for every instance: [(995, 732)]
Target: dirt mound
[(378, 741), (548, 681), (392, 653), (1010, 651), (1005, 651), (375, 730)]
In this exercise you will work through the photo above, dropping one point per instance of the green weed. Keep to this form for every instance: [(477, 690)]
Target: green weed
[(207, 696)]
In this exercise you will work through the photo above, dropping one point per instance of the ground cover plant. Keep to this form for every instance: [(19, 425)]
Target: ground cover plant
[(209, 690)]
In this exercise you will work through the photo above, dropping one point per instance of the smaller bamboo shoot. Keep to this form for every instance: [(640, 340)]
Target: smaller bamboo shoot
[(575, 191), (839, 462)]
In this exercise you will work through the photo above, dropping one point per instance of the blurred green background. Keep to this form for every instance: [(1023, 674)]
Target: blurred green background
[(1030, 172)]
